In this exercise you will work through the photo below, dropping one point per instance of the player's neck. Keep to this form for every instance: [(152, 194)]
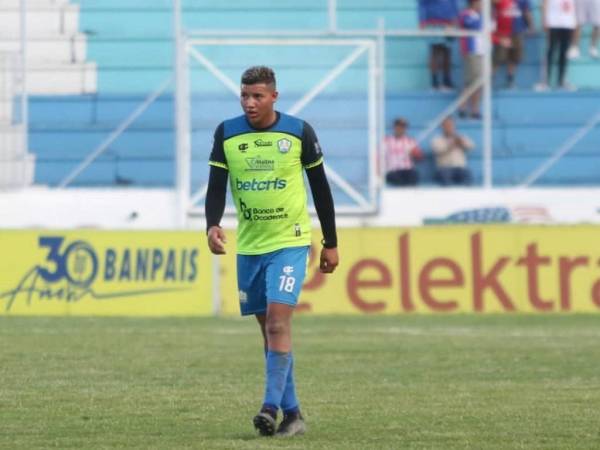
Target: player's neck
[(268, 121)]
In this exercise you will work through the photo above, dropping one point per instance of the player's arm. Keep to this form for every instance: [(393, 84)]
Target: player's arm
[(312, 159), (214, 206)]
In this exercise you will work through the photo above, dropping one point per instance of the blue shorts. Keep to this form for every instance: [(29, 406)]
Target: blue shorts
[(274, 277)]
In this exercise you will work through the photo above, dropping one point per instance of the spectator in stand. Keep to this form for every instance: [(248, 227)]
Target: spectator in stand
[(513, 19), (439, 14), (400, 153), (588, 12), (450, 149), (472, 51), (560, 21)]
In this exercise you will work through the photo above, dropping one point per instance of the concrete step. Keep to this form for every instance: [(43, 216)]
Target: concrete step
[(43, 18), (17, 173), (11, 142), (60, 79), (60, 48)]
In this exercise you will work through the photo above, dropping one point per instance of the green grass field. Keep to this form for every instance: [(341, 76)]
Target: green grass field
[(447, 382)]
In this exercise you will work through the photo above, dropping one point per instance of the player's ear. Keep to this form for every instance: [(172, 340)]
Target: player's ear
[(275, 95)]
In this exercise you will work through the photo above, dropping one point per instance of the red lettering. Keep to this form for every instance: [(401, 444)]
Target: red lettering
[(532, 260), (405, 296), (354, 283), (565, 267), (427, 283), (489, 280), (596, 293)]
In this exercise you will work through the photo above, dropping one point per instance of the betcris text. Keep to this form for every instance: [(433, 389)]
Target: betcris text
[(260, 185)]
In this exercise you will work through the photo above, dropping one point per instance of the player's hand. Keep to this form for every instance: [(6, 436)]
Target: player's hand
[(329, 260), (216, 240)]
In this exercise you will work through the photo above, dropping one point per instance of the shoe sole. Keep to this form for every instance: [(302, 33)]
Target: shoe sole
[(265, 425)]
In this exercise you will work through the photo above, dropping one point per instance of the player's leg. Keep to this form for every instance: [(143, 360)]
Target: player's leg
[(266, 420), (251, 285), (278, 363), (285, 276), (289, 401)]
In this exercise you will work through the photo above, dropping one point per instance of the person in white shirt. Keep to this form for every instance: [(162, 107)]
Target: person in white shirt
[(401, 151), (450, 149), (560, 20), (588, 12)]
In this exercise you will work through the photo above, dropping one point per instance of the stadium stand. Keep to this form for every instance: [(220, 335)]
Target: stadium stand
[(128, 47)]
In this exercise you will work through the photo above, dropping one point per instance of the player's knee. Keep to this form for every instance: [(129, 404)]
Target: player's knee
[(276, 327)]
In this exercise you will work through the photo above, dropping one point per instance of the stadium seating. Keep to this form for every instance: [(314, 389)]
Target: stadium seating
[(131, 45)]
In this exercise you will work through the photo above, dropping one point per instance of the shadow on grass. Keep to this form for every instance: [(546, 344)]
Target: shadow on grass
[(250, 437)]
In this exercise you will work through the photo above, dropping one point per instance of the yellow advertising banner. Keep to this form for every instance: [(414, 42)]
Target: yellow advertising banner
[(92, 272), (449, 269)]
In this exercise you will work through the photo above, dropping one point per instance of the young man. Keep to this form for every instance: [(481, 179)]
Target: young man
[(264, 153)]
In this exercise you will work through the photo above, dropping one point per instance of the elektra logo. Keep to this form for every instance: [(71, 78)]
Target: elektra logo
[(264, 185), (73, 271)]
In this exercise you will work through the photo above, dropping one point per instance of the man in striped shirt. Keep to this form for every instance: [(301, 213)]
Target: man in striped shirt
[(400, 153)]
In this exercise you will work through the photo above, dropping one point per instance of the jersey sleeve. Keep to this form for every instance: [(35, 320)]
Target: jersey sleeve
[(217, 155), (312, 155)]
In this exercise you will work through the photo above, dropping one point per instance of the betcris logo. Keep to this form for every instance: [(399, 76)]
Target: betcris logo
[(73, 271), (260, 185)]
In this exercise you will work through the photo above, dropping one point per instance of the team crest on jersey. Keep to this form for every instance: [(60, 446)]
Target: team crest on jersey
[(284, 145)]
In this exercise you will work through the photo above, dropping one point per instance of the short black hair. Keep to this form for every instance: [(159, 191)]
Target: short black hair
[(259, 74)]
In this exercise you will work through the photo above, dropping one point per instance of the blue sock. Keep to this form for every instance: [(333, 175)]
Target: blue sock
[(278, 366), (289, 401)]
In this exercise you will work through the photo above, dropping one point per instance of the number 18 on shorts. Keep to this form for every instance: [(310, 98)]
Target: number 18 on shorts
[(274, 277)]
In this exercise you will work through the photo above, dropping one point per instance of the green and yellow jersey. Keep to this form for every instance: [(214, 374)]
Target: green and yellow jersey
[(266, 179)]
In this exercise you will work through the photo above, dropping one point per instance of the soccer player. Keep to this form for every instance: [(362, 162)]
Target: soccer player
[(264, 153)]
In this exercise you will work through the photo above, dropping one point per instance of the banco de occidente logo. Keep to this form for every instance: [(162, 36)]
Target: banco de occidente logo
[(74, 271)]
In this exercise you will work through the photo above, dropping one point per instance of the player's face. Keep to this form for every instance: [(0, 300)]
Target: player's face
[(257, 102)]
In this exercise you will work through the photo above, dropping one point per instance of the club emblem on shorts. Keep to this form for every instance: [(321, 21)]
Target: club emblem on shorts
[(288, 270), (243, 297), (284, 145)]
